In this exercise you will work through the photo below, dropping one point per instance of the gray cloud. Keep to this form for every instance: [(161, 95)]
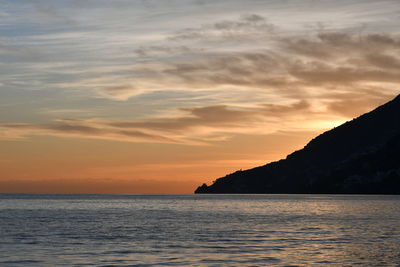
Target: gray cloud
[(341, 59), (196, 126), (290, 67), (318, 73), (249, 57), (331, 61), (119, 92), (383, 61), (211, 116), (219, 117), (18, 51), (159, 50), (331, 45), (284, 110), (356, 102), (258, 69), (83, 129), (53, 15), (248, 26)]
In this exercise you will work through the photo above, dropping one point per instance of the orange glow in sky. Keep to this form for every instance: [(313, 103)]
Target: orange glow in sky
[(160, 97)]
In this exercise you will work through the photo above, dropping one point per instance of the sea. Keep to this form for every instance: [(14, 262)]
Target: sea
[(199, 230)]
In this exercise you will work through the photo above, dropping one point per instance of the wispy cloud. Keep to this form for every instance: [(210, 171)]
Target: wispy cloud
[(248, 26), (234, 72), (186, 89), (292, 69), (193, 127), (81, 129)]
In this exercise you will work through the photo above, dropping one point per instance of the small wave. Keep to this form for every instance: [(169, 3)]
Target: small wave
[(21, 262)]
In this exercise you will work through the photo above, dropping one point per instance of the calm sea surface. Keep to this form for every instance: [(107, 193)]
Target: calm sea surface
[(199, 230)]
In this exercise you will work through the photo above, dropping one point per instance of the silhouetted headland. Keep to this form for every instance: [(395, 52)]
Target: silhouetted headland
[(361, 156)]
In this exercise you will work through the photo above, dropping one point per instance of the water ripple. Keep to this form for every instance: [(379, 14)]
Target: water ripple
[(192, 230)]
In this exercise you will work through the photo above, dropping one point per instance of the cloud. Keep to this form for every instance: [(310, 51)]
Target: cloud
[(299, 68), (319, 73), (353, 107), (58, 111), (194, 126), (355, 103), (238, 75), (383, 61), (119, 92), (81, 129), (52, 15), (18, 51), (284, 110), (217, 117), (247, 26), (345, 59), (257, 55), (289, 68), (330, 58), (159, 50)]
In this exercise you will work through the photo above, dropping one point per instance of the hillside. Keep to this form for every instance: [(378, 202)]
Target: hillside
[(361, 156)]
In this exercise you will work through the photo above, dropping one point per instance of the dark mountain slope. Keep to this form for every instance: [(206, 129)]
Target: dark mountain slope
[(360, 156)]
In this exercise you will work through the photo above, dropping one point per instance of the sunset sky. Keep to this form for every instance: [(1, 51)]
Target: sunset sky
[(160, 96)]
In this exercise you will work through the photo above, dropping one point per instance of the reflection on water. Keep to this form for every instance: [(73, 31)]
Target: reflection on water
[(199, 230)]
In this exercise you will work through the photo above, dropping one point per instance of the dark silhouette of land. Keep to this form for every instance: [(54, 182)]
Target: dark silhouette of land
[(361, 156)]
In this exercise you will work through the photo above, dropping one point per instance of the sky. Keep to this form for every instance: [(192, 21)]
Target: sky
[(160, 96)]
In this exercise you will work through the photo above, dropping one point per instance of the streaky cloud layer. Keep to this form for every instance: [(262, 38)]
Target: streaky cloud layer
[(188, 75)]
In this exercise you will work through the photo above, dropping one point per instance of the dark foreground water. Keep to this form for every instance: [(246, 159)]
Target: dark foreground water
[(199, 230)]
